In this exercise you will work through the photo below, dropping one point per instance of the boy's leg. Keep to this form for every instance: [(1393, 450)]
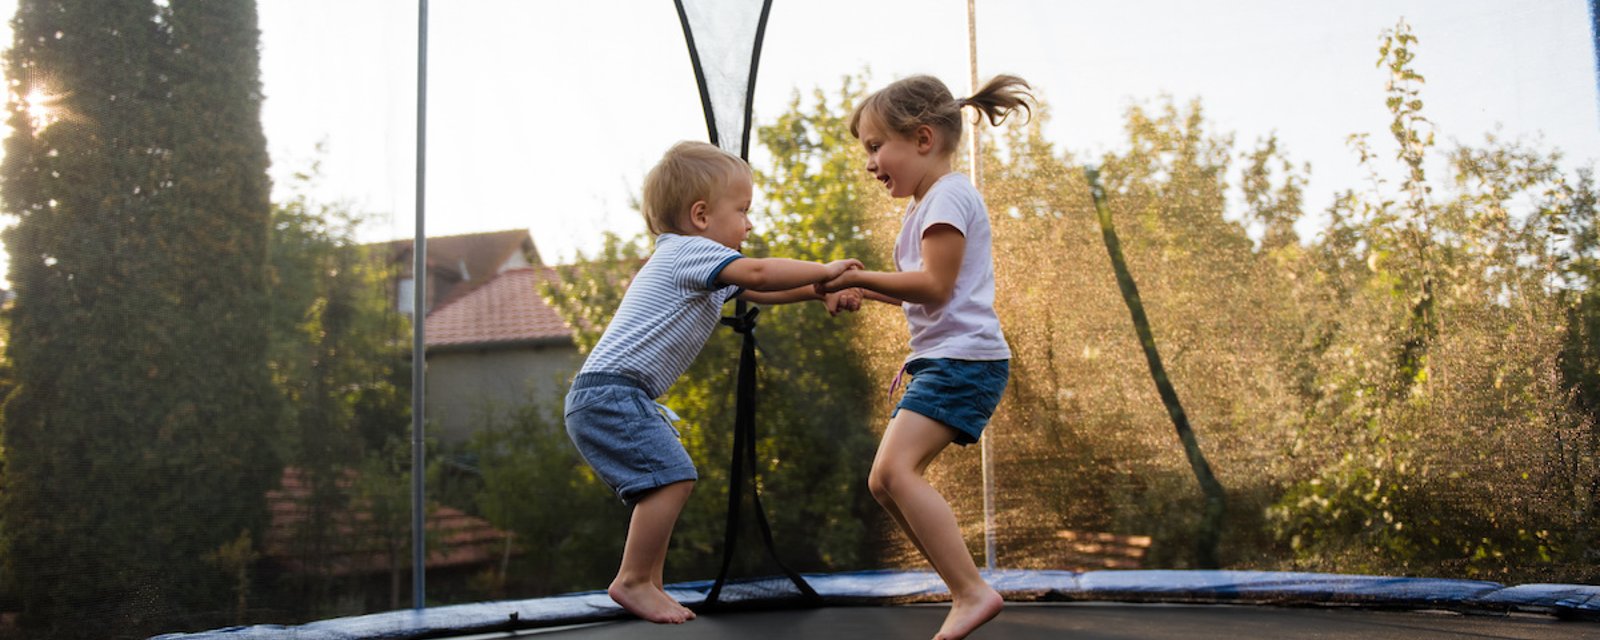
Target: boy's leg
[(649, 531), (658, 580), (909, 445)]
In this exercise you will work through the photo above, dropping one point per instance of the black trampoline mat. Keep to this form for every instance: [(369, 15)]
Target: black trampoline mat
[(1027, 621)]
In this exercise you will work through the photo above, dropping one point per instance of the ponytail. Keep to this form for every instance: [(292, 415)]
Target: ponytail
[(921, 100), (1000, 97)]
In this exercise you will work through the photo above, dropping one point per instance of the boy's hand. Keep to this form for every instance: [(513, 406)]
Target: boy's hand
[(840, 266), (847, 300)]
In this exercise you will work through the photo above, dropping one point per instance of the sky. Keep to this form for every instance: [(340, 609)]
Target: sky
[(546, 115)]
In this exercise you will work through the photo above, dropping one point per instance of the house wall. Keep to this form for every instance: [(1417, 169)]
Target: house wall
[(463, 386)]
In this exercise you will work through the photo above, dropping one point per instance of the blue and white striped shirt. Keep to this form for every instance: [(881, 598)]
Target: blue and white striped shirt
[(667, 314)]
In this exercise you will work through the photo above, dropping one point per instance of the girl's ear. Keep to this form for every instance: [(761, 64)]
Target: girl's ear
[(923, 137), (700, 215)]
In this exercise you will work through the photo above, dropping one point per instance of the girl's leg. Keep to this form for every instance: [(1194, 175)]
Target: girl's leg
[(649, 531), (911, 442), (877, 482)]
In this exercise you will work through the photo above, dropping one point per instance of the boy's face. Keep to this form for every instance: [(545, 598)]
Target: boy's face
[(898, 162), (726, 219)]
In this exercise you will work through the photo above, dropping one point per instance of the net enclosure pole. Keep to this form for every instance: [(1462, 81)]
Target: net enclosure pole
[(419, 297), (977, 182)]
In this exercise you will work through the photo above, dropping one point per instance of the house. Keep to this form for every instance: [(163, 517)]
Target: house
[(459, 264), (494, 349), (366, 550), (493, 344)]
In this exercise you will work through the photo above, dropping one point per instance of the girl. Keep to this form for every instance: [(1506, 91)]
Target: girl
[(959, 360)]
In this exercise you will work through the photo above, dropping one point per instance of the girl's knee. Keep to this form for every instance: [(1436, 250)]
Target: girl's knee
[(881, 482)]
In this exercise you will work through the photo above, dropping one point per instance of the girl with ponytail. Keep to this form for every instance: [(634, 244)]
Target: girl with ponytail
[(959, 361)]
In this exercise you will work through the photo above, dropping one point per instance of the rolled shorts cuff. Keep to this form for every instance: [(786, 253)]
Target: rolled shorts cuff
[(637, 488)]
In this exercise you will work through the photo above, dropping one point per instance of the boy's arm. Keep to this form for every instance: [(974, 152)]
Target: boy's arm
[(781, 274), (942, 249), (797, 294), (836, 302)]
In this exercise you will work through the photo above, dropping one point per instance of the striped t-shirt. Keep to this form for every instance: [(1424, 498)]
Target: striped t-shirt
[(667, 314)]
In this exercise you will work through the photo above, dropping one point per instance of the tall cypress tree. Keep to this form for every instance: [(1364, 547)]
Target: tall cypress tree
[(138, 436)]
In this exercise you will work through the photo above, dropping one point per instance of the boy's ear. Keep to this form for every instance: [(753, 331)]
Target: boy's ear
[(924, 138), (700, 215)]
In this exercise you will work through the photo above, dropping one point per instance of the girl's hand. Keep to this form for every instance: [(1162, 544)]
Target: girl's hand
[(839, 282), (838, 267)]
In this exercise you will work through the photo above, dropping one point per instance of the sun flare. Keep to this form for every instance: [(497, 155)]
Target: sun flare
[(41, 108)]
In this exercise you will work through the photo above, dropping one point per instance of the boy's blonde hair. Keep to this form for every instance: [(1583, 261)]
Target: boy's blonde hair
[(920, 100), (689, 172)]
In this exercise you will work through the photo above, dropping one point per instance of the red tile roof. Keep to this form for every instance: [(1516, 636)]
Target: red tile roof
[(508, 309), (479, 254), (454, 538)]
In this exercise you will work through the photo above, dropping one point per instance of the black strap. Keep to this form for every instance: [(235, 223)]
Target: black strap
[(744, 453)]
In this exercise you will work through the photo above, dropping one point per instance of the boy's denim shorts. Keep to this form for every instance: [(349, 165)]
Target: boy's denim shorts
[(961, 394), (625, 436)]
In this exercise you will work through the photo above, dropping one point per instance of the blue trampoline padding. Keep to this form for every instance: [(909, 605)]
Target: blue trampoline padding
[(892, 587)]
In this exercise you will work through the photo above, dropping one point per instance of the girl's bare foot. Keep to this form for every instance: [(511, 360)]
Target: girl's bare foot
[(644, 600), (968, 612)]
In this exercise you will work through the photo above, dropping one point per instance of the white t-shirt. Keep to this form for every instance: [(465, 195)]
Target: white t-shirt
[(667, 313), (965, 327)]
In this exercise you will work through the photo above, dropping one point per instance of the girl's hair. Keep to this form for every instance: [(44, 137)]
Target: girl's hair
[(687, 173), (912, 102)]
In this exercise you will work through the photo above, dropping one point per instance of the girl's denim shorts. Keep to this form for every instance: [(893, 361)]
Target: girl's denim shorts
[(961, 394), (625, 436)]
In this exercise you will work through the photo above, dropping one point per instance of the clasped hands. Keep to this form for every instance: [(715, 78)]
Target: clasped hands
[(836, 296)]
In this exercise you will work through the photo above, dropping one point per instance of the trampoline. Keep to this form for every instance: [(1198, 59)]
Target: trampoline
[(1090, 622), (1041, 604), (1141, 599)]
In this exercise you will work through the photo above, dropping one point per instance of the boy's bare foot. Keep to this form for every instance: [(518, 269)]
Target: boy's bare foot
[(647, 602), (969, 612), (688, 615)]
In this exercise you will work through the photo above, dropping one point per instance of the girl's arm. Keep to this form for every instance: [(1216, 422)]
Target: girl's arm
[(873, 295), (942, 249)]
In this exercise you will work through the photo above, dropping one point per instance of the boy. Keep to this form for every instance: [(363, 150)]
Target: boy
[(696, 201)]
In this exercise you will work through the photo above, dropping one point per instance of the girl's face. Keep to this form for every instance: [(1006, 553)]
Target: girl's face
[(901, 163)]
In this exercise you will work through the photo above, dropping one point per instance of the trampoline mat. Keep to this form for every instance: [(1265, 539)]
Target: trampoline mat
[(1085, 621)]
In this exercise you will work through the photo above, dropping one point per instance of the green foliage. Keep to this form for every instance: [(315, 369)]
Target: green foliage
[(567, 525), (340, 359), (138, 436)]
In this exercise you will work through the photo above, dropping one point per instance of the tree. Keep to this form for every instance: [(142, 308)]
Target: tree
[(339, 358), (138, 435)]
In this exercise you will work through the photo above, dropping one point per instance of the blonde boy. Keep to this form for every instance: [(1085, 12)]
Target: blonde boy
[(697, 203)]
